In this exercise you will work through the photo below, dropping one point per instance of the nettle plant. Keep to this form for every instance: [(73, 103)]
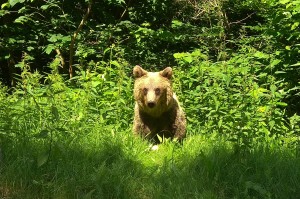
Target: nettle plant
[(231, 98), (97, 100)]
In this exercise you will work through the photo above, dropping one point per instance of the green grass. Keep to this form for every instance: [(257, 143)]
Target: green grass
[(104, 164), (58, 141)]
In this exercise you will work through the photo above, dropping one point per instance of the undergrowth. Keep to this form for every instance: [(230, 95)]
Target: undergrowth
[(73, 139)]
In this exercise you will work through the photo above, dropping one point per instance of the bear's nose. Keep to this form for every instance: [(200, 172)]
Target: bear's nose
[(151, 104)]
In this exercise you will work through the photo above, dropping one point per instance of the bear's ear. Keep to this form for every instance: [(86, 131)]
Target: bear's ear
[(167, 72), (139, 72)]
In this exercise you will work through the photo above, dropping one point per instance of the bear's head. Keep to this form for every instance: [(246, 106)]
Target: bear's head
[(153, 90)]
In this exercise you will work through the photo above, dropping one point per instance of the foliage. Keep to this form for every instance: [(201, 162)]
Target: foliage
[(284, 27), (234, 98)]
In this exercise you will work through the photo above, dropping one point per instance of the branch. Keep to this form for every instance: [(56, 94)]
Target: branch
[(250, 15), (126, 8), (73, 38)]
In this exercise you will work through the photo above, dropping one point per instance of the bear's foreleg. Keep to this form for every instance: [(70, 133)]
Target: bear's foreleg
[(139, 127), (180, 126)]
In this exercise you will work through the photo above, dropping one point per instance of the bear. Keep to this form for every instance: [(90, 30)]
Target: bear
[(157, 112)]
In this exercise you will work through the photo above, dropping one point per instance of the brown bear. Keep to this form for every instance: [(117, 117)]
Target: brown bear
[(157, 110)]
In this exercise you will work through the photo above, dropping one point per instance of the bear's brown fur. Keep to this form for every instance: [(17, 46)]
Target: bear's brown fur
[(157, 110)]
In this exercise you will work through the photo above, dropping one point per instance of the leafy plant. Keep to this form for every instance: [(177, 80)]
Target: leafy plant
[(232, 98)]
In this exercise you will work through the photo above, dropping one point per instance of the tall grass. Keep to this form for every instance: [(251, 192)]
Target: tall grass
[(74, 140), (101, 165)]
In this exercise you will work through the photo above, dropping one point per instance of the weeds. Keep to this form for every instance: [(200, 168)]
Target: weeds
[(62, 141)]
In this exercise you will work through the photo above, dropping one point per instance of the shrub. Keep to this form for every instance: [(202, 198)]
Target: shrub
[(232, 98)]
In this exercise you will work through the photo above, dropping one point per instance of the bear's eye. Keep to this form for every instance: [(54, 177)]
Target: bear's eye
[(157, 91), (145, 90)]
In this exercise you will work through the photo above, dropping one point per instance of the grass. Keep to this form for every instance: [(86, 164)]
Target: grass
[(104, 164), (59, 142)]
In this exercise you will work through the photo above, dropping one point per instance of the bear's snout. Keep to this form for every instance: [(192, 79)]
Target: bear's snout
[(151, 104)]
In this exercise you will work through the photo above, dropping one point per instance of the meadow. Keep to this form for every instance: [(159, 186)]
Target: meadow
[(64, 141), (119, 166)]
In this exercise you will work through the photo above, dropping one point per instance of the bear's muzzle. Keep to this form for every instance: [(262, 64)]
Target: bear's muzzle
[(151, 104)]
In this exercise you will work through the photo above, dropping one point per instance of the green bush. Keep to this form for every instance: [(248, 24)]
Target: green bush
[(232, 98)]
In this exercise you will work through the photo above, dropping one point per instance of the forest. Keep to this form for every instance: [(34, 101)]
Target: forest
[(66, 98)]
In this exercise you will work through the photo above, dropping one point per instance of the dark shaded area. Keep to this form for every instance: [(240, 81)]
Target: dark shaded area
[(71, 171), (39, 28), (113, 171)]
